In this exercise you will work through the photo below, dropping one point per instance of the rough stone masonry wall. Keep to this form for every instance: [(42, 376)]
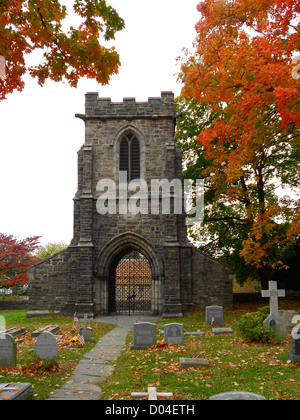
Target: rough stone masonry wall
[(212, 282), (48, 285)]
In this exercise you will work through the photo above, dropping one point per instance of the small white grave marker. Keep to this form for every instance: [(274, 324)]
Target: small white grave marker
[(152, 394)]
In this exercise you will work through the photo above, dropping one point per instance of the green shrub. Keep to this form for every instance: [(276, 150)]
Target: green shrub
[(252, 328)]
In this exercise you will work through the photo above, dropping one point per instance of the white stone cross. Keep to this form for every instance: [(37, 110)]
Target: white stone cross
[(273, 293), (152, 394)]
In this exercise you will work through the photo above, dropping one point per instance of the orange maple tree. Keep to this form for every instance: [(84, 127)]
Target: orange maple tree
[(27, 26), (242, 68)]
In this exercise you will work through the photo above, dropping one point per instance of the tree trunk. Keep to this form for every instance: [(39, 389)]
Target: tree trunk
[(264, 276)]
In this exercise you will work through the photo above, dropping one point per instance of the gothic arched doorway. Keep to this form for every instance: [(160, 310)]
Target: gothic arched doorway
[(131, 290), (135, 248)]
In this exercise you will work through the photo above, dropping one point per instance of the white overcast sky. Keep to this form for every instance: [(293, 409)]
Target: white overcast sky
[(40, 136)]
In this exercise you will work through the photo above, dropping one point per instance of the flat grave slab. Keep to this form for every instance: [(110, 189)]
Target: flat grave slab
[(186, 362), (188, 333), (15, 331), (53, 329), (220, 331), (16, 392)]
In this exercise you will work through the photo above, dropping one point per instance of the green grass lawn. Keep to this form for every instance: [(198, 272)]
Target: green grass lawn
[(46, 377), (235, 365)]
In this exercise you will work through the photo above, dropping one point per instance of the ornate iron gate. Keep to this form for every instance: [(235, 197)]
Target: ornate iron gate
[(130, 285)]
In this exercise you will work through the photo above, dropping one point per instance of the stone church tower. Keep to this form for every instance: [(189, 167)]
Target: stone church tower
[(122, 262)]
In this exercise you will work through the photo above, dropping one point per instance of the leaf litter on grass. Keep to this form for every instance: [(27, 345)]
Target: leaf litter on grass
[(235, 364)]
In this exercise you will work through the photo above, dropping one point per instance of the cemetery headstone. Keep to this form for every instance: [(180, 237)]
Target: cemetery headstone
[(237, 396), (174, 334), (46, 346), (16, 392), (152, 394), (186, 362), (274, 320), (8, 351), (214, 315), (144, 335)]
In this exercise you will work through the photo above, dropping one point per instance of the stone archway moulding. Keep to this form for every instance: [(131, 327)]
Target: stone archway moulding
[(129, 240), (127, 128)]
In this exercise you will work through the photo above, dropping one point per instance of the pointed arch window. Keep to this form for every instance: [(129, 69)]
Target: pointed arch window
[(130, 157)]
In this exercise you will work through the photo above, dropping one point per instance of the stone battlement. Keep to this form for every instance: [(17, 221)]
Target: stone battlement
[(103, 108)]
